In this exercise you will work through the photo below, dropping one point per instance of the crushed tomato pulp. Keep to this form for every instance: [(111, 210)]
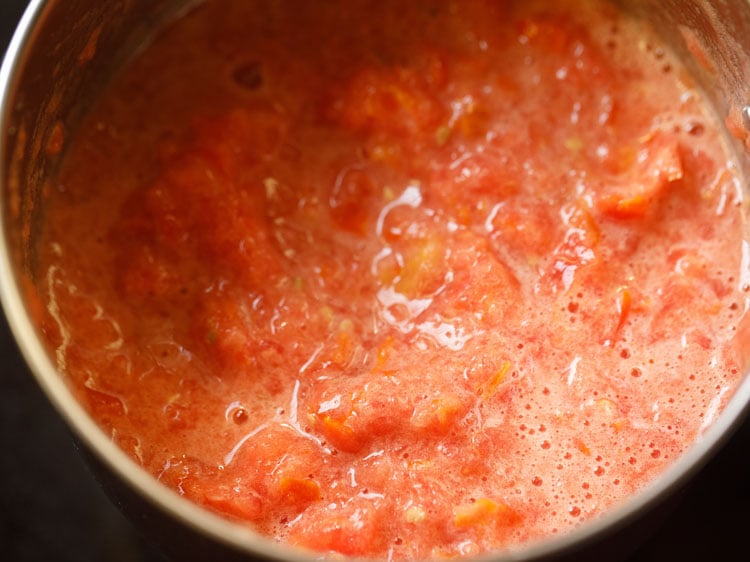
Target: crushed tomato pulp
[(399, 279)]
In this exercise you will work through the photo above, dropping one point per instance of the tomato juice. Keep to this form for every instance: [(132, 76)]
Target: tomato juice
[(400, 279)]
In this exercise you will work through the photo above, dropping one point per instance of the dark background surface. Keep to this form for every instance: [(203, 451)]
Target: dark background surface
[(51, 509)]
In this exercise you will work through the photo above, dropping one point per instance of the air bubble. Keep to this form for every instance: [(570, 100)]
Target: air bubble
[(694, 129), (236, 413)]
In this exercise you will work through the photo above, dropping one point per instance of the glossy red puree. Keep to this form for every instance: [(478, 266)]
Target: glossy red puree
[(399, 279)]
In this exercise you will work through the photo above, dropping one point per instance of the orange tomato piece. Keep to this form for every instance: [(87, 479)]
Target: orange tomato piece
[(352, 200), (484, 511), (298, 491), (658, 165)]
